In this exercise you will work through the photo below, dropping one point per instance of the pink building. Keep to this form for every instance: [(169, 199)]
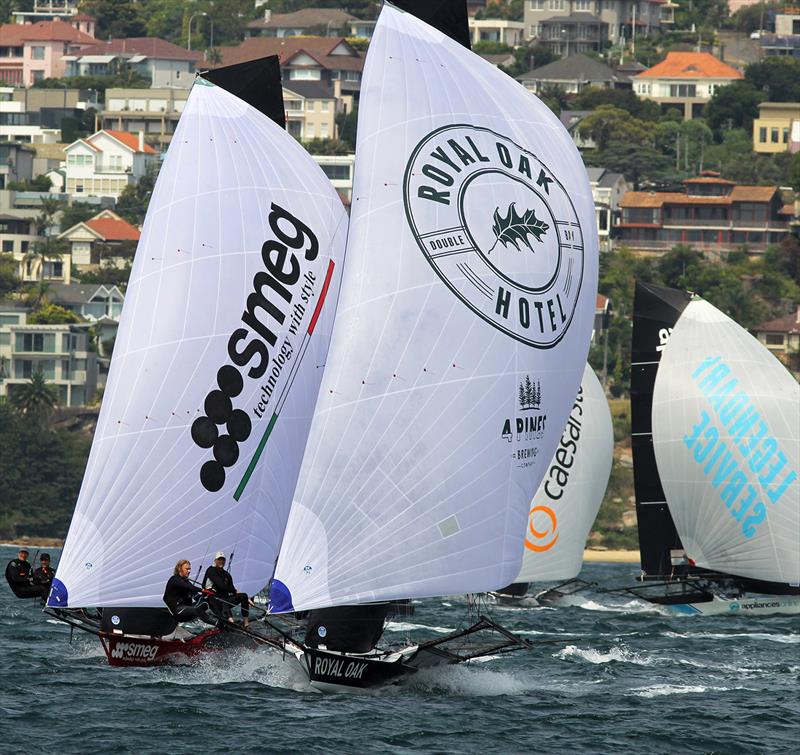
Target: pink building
[(32, 52)]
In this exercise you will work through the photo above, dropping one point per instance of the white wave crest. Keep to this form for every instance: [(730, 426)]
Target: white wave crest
[(618, 653), (407, 626), (786, 639), (659, 690)]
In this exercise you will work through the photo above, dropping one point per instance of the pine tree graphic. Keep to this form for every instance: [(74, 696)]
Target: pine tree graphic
[(521, 396), (529, 392), (537, 398)]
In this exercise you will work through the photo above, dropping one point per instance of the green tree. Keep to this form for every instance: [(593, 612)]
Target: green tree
[(528, 57), (76, 213), (592, 98), (794, 172), (733, 106), (116, 18), (42, 250), (52, 314), (34, 400), (347, 124), (612, 124), (777, 77), (135, 198), (9, 274), (327, 147)]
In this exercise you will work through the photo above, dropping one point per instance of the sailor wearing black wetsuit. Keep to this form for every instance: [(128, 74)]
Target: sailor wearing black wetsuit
[(44, 574), (20, 578), (180, 593), (221, 582)]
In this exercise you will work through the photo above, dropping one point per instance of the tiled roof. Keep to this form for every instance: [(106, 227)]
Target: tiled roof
[(114, 229), (691, 65), (129, 140), (43, 31), (286, 48), (787, 324), (601, 302), (709, 180), (660, 198), (151, 47), (311, 90), (305, 18), (753, 193), (573, 68)]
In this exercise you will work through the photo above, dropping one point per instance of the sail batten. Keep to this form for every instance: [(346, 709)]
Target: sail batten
[(471, 267)]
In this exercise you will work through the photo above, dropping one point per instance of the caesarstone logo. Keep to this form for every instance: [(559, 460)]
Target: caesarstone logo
[(499, 229)]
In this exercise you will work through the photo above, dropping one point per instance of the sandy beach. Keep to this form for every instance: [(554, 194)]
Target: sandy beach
[(613, 557)]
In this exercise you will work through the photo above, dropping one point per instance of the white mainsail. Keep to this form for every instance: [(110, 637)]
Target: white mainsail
[(726, 438), (217, 364), (566, 503), (463, 327)]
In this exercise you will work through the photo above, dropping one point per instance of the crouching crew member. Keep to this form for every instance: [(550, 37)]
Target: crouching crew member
[(20, 578), (180, 593), (225, 595)]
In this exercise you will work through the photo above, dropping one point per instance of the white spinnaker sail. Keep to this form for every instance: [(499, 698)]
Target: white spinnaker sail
[(463, 327), (239, 212), (566, 503), (725, 433)]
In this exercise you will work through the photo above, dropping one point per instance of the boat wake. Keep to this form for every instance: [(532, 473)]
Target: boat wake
[(237, 667)]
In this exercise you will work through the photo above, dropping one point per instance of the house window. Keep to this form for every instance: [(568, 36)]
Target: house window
[(23, 368), (762, 134), (312, 74), (537, 5), (774, 339), (326, 106), (556, 4), (38, 76), (682, 90), (323, 130), (337, 172), (774, 134), (8, 246), (65, 369), (352, 76), (584, 5), (785, 135), (37, 52)]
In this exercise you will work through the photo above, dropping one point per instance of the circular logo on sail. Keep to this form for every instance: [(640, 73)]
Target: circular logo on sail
[(542, 535), (499, 229)]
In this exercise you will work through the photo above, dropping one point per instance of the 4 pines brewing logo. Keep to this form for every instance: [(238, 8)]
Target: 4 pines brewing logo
[(499, 229), (527, 427)]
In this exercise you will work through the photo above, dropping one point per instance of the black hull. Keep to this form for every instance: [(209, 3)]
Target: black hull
[(332, 671)]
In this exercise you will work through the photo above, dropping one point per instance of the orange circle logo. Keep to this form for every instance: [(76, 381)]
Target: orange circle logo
[(543, 540)]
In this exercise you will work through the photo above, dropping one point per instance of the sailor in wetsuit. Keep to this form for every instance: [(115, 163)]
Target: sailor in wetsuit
[(180, 593), (221, 582), (20, 578), (44, 574)]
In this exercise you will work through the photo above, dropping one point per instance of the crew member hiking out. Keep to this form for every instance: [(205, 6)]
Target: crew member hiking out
[(20, 578), (44, 574), (225, 597), (180, 594)]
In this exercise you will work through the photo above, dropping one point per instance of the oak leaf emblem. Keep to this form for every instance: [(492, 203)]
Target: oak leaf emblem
[(514, 228)]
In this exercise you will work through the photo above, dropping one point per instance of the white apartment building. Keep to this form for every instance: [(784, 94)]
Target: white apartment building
[(61, 352), (104, 163)]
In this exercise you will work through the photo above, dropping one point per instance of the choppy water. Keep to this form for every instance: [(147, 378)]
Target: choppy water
[(625, 679)]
